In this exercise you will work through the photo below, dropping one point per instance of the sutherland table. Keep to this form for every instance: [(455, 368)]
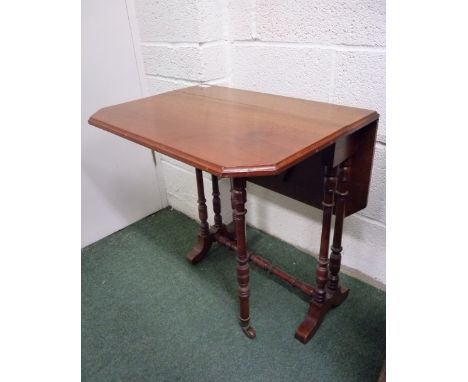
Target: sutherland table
[(318, 153)]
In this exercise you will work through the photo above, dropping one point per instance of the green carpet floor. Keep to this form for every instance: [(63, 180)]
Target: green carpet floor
[(148, 315)]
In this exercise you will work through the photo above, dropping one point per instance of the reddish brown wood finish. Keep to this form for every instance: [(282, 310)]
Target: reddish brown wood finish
[(218, 220), (239, 197), (316, 314), (204, 240), (263, 263), (304, 180), (321, 302), (278, 272), (231, 132), (321, 273), (341, 193)]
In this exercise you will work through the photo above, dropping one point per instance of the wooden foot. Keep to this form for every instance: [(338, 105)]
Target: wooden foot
[(249, 332), (200, 249), (205, 239), (316, 313)]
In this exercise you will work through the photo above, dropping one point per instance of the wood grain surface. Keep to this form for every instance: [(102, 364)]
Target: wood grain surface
[(230, 132)]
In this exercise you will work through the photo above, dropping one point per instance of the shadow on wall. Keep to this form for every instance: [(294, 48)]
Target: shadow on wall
[(279, 215), (265, 213)]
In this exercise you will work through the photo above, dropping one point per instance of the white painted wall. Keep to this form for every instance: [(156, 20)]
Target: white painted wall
[(118, 178), (319, 50)]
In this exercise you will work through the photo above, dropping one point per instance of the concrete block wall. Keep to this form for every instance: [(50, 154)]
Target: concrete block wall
[(318, 50)]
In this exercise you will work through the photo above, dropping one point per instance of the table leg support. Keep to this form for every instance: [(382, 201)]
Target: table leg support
[(205, 239), (239, 198), (328, 292), (321, 273), (219, 227), (320, 303), (335, 257), (218, 220)]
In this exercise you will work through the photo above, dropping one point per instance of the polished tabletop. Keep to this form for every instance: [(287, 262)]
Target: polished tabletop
[(231, 132)]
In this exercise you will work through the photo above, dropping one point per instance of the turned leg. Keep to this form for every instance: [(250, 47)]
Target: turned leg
[(321, 273), (219, 227), (218, 220), (204, 240), (230, 228), (319, 305), (238, 199), (335, 257)]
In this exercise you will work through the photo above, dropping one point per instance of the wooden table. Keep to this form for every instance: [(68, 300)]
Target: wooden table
[(318, 153)]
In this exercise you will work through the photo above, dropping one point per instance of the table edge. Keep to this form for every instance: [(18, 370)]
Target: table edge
[(243, 171)]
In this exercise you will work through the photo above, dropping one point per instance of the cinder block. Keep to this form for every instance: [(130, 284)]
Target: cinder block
[(181, 189), (295, 72), (191, 63), (159, 85), (241, 17), (178, 163), (347, 22), (178, 62), (212, 20), (376, 203), (180, 20), (226, 81), (360, 81), (364, 247), (213, 63)]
